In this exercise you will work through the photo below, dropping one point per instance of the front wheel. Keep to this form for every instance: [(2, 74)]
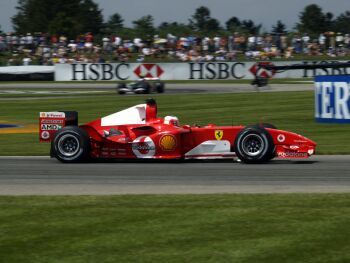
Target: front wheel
[(121, 88), (146, 87), (71, 144), (254, 145)]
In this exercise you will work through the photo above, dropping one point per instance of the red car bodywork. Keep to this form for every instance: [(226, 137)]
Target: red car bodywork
[(137, 132)]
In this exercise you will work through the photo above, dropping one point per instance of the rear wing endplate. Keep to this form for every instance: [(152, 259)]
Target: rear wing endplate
[(51, 122)]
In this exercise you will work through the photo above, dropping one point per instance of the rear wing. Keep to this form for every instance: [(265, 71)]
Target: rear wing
[(51, 122)]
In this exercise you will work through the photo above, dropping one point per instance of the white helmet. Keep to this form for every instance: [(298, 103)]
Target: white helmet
[(171, 120)]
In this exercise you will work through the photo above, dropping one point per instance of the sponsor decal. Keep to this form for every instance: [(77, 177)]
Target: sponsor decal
[(50, 127), (143, 147), (294, 147), (92, 71), (219, 134), (168, 142), (149, 71), (52, 115), (332, 99), (291, 155), (261, 72), (44, 121), (185, 71), (217, 70), (281, 138), (45, 135)]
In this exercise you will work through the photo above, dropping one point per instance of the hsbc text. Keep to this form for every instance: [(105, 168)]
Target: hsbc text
[(100, 71), (218, 70)]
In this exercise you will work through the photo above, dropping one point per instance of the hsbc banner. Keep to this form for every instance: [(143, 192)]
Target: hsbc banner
[(332, 99), (184, 71)]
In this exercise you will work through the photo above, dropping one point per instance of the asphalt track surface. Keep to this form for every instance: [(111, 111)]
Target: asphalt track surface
[(45, 176), (169, 87)]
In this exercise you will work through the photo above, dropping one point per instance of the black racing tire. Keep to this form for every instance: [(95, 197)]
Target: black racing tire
[(160, 87), (147, 88), (121, 92), (263, 125), (254, 145), (268, 125), (71, 144), (120, 87)]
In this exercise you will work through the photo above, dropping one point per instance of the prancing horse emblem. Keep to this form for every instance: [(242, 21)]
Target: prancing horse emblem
[(219, 134)]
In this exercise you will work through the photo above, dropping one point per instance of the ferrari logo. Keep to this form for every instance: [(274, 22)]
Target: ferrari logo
[(219, 134)]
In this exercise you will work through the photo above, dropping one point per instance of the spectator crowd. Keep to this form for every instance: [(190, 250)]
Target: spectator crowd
[(44, 49)]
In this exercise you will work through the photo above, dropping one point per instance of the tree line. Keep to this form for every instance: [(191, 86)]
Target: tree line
[(74, 17)]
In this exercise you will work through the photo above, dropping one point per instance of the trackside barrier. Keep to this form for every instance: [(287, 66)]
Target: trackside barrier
[(186, 71), (166, 71), (27, 73)]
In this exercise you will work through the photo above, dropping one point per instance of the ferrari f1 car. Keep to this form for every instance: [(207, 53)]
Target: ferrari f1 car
[(142, 86), (137, 133)]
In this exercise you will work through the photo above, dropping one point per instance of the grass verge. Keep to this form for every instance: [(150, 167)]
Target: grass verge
[(209, 228), (292, 111)]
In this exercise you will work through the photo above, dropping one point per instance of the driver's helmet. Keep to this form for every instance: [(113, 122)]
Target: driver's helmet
[(172, 120), (142, 77)]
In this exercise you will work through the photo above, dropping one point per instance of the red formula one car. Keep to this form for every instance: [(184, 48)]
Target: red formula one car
[(137, 132)]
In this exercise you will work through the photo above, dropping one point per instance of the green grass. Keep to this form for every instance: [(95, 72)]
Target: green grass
[(67, 92), (291, 228), (292, 111)]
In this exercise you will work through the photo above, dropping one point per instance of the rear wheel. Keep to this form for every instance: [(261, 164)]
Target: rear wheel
[(71, 144), (254, 145), (160, 87)]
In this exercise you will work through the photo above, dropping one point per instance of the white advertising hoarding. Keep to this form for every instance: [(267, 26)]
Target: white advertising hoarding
[(184, 71), (332, 99)]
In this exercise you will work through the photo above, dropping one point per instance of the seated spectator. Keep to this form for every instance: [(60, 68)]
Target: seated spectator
[(72, 46), (26, 61), (146, 51)]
